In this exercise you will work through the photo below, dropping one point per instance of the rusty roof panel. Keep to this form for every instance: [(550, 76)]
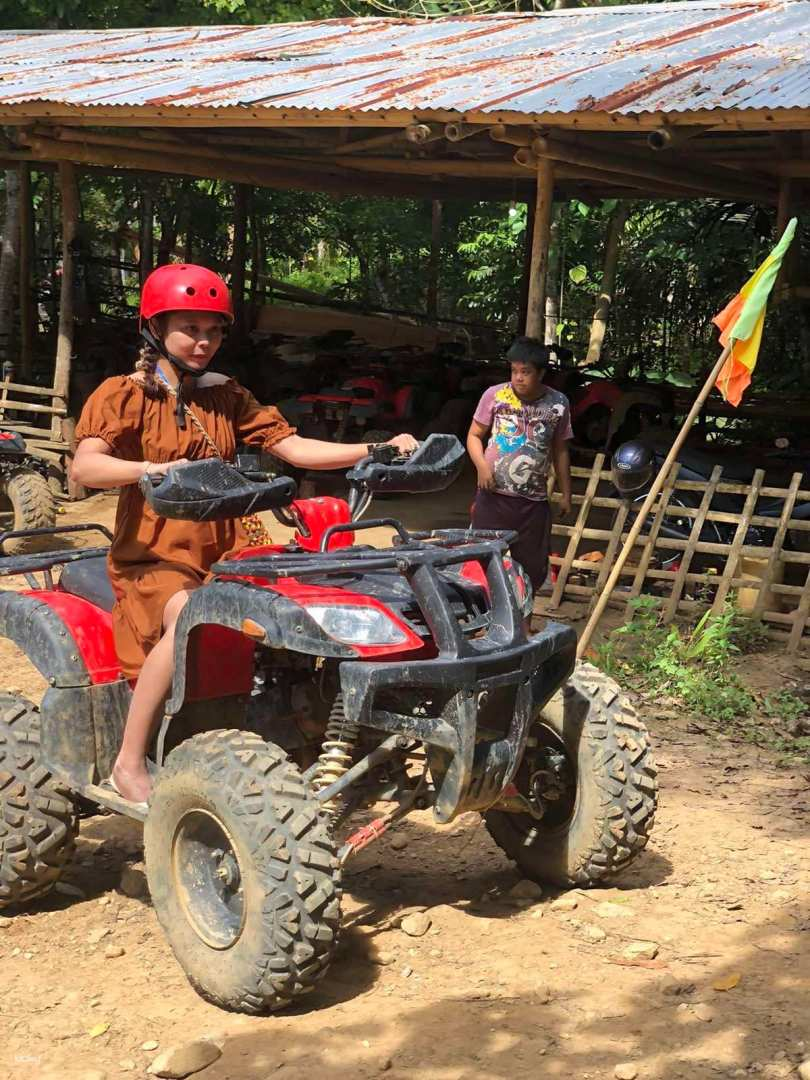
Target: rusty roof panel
[(670, 57)]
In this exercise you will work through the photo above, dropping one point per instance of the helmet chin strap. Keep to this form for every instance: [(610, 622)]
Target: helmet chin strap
[(180, 367)]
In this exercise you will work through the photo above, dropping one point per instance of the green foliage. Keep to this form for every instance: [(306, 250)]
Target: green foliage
[(694, 666)]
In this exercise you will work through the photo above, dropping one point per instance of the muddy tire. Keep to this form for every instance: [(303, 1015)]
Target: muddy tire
[(33, 506), (243, 871), (37, 818), (607, 793)]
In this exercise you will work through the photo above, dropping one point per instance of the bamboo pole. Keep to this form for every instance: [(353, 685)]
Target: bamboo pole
[(26, 280), (714, 180), (646, 506), (541, 237), (282, 175)]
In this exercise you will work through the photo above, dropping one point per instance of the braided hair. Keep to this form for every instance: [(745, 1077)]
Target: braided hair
[(146, 366)]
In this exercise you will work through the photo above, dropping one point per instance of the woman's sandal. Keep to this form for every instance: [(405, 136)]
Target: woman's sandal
[(111, 784)]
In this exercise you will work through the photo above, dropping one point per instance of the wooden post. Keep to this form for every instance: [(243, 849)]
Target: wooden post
[(70, 226), (435, 258), (541, 236), (241, 198), (618, 220), (27, 305), (69, 188), (526, 276), (646, 506)]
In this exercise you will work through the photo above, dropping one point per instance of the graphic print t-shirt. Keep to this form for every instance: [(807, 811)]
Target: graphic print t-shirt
[(521, 438)]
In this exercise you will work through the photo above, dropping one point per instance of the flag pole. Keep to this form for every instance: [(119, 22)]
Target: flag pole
[(652, 495)]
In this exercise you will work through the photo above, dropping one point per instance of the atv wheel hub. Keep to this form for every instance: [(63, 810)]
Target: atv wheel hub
[(208, 879)]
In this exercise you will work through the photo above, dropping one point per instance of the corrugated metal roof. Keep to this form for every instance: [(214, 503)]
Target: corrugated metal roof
[(674, 57)]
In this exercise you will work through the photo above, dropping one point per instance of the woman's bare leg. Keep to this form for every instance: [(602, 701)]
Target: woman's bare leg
[(146, 708)]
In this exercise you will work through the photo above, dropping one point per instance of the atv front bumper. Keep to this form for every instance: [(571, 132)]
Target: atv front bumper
[(473, 713)]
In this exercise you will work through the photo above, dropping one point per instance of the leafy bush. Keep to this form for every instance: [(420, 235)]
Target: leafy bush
[(694, 666)]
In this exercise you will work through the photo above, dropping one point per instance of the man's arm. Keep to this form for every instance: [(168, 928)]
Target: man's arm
[(561, 457), (475, 448)]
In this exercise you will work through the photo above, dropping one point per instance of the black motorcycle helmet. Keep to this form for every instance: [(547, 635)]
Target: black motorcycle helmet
[(632, 468)]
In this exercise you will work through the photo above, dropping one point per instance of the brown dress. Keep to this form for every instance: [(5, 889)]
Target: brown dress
[(152, 558)]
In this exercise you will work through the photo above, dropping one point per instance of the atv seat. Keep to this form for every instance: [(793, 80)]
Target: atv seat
[(88, 578)]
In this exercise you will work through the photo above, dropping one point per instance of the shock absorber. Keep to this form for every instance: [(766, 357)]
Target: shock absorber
[(335, 758)]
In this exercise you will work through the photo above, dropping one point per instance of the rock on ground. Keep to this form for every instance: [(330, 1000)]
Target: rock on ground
[(180, 1061), (641, 950), (526, 890), (416, 925), (626, 1071)]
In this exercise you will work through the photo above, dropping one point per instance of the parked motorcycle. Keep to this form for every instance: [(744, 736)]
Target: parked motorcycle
[(635, 465)]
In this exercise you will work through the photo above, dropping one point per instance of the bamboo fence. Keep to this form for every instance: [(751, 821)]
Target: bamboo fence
[(583, 553)]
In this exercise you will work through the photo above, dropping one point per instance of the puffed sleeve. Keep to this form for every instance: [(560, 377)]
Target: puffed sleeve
[(114, 413), (259, 425)]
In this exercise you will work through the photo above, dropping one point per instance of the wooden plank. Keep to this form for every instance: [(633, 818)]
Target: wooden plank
[(671, 608), (27, 406), (22, 388), (775, 551), (573, 543), (737, 544), (613, 544), (39, 433), (799, 618), (652, 536)]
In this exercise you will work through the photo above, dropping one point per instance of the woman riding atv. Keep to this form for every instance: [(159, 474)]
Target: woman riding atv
[(172, 409)]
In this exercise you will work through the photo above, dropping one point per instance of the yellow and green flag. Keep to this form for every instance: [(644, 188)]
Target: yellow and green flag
[(742, 319)]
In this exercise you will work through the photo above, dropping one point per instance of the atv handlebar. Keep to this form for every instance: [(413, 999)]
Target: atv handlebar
[(212, 490)]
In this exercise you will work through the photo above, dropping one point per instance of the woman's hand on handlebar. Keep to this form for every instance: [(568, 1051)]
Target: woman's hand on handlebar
[(160, 468), (406, 444)]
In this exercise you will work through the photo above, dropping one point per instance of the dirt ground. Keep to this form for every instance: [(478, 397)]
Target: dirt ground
[(492, 991)]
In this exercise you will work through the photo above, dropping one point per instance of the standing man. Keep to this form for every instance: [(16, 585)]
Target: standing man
[(528, 425)]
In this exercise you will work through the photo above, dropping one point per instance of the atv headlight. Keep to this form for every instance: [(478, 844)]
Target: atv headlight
[(355, 625)]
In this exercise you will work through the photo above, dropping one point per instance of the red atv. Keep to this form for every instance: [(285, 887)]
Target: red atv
[(313, 680), (363, 408)]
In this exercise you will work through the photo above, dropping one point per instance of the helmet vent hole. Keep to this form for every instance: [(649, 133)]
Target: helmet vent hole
[(190, 290), (212, 292)]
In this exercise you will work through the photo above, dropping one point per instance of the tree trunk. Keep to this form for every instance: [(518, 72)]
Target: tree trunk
[(28, 315), (146, 237), (241, 199), (256, 264), (435, 260), (616, 226), (526, 274), (553, 280), (168, 217), (9, 252)]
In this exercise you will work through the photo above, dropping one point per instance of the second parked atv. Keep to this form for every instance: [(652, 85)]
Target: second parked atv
[(26, 499), (314, 680)]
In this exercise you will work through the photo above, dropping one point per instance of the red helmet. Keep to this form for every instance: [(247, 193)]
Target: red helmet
[(184, 287)]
